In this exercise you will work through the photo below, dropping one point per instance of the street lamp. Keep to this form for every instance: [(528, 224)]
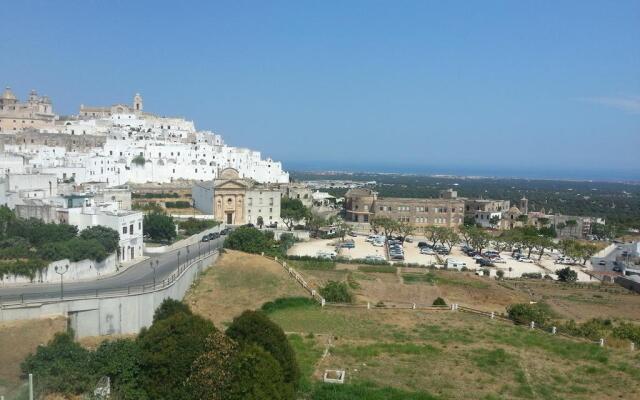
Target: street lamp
[(178, 258), (154, 271), (188, 259), (61, 271)]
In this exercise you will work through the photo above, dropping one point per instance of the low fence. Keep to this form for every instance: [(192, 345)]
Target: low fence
[(392, 305)]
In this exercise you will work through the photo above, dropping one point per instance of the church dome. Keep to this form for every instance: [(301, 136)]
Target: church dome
[(8, 94)]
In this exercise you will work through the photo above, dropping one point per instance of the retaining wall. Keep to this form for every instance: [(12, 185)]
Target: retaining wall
[(120, 313), (78, 270)]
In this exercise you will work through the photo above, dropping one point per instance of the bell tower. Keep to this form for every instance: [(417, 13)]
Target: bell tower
[(524, 205), (137, 103)]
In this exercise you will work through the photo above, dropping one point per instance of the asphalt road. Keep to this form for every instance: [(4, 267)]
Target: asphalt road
[(130, 280), (615, 255)]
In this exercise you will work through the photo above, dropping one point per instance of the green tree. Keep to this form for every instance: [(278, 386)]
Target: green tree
[(170, 307), (62, 366), (120, 361), (159, 227), (406, 229), (228, 371), (387, 225), (567, 275), (255, 327), (107, 237), (167, 351), (249, 240), (494, 220), (257, 375), (260, 221), (292, 211), (439, 301)]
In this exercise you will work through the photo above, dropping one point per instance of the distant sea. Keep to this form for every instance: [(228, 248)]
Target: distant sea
[(601, 174)]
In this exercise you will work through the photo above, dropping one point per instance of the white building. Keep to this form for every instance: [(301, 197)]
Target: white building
[(127, 223)]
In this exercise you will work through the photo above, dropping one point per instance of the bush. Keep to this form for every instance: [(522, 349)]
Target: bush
[(532, 275), (379, 269), (567, 275), (107, 237), (250, 240), (439, 302), (170, 307), (287, 302), (62, 366), (627, 330), (177, 204), (159, 227), (167, 350), (120, 361), (525, 313), (193, 226), (336, 292), (593, 329), (230, 371), (256, 327)]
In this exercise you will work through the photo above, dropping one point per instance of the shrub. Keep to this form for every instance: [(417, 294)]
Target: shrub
[(257, 376), (627, 330), (159, 227), (532, 275), (567, 275), (193, 226), (120, 361), (107, 237), (336, 292), (170, 307), (138, 160), (379, 269), (177, 204), (256, 327), (250, 240), (287, 302), (525, 313), (439, 302), (167, 350), (62, 366)]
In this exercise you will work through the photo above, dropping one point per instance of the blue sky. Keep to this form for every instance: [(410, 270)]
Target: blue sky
[(515, 87)]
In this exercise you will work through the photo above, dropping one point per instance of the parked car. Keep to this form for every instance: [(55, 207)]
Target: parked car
[(378, 243), (617, 269), (225, 231), (602, 262), (427, 251), (408, 240), (423, 244), (498, 260), (348, 245), (525, 260), (328, 255), (205, 238), (485, 263), (353, 234)]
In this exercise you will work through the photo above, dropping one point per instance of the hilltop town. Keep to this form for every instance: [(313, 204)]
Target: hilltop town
[(122, 225)]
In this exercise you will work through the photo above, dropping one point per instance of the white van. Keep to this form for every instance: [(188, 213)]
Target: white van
[(451, 263)]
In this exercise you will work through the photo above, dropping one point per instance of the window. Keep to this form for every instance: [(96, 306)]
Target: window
[(124, 229), (131, 229)]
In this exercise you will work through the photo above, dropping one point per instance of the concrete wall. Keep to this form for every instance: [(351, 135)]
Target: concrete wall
[(194, 239), (112, 314), (78, 270)]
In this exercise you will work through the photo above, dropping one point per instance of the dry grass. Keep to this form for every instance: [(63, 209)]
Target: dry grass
[(17, 340), (237, 282), (583, 301)]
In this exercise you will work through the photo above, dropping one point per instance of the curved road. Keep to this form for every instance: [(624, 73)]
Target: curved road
[(131, 279)]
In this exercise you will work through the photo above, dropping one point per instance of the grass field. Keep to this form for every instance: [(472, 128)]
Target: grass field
[(456, 356), (412, 354)]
